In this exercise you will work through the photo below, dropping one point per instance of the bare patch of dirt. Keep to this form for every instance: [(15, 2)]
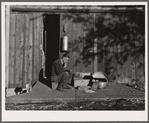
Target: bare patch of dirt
[(120, 104)]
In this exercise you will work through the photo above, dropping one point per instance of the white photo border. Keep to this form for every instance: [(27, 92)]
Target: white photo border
[(44, 116)]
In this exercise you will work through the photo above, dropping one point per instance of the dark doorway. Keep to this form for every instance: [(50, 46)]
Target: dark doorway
[(51, 40)]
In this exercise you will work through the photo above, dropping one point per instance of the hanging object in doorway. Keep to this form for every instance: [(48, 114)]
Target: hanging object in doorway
[(64, 43)]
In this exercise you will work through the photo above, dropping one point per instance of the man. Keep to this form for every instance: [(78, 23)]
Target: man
[(60, 74)]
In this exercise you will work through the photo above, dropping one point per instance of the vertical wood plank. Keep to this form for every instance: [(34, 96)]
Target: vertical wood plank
[(61, 22), (41, 39), (72, 42), (33, 38), (83, 35), (95, 46), (81, 41), (38, 47), (80, 27), (35, 46), (22, 49), (73, 38), (11, 50), (24, 37), (40, 44), (7, 45), (15, 45), (19, 49), (26, 49), (77, 31), (90, 37), (30, 49)]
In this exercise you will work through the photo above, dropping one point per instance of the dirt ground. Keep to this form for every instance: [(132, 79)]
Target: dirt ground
[(114, 97), (120, 104)]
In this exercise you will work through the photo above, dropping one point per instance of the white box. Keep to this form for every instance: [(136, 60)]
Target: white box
[(81, 82)]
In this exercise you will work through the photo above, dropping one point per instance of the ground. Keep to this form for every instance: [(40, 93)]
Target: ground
[(120, 104), (114, 97)]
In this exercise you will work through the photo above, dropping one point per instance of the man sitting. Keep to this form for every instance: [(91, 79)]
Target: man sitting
[(59, 73)]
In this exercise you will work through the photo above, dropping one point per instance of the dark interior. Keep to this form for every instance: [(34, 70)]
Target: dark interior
[(51, 38), (51, 34)]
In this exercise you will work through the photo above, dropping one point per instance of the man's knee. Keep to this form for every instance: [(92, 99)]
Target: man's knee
[(65, 74)]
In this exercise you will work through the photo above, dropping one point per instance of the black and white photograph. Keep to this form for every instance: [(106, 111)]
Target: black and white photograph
[(74, 61)]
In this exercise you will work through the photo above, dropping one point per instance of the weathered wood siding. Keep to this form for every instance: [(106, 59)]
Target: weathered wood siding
[(24, 49), (76, 33), (91, 49), (83, 38)]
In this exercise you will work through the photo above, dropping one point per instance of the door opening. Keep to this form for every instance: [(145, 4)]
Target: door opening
[(51, 40)]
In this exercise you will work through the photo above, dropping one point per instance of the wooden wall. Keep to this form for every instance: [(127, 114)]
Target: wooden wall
[(90, 49), (82, 41), (26, 36), (24, 49), (76, 32)]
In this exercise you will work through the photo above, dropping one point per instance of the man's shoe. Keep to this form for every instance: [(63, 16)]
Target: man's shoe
[(61, 89), (67, 86)]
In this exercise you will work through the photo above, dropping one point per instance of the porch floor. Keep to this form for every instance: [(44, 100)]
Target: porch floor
[(42, 93)]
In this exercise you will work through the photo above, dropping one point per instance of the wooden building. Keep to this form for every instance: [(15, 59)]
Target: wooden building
[(36, 31)]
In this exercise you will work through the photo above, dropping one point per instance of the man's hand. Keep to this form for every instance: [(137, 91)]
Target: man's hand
[(65, 65), (70, 71)]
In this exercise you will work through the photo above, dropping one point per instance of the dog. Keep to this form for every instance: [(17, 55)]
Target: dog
[(18, 90)]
